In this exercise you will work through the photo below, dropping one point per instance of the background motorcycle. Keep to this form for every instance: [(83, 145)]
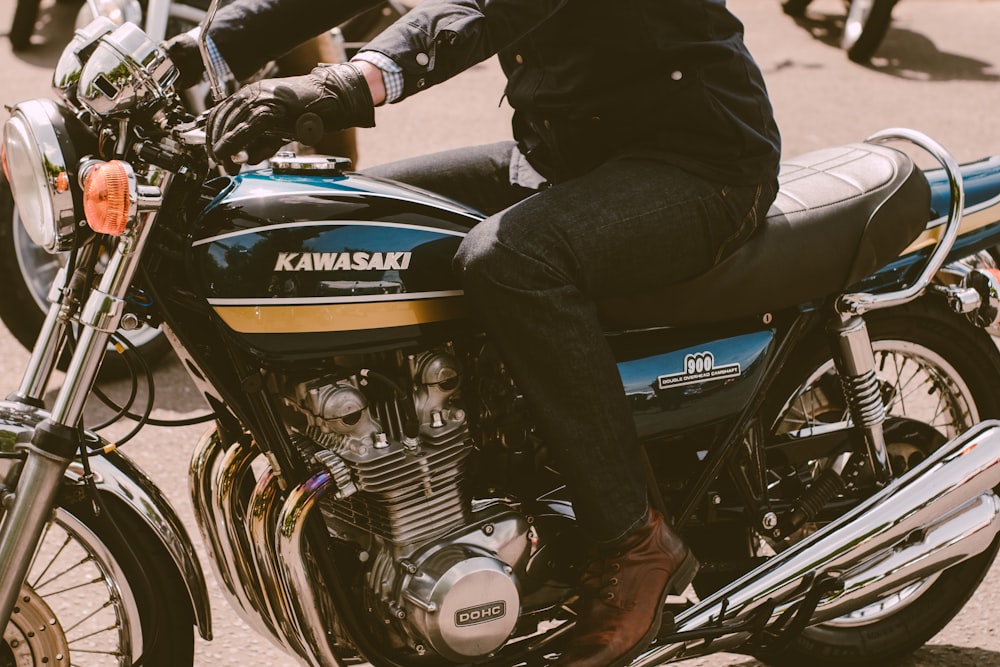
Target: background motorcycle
[(943, 356), (28, 270), (865, 24)]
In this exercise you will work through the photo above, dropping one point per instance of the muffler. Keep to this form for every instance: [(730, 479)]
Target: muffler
[(937, 515)]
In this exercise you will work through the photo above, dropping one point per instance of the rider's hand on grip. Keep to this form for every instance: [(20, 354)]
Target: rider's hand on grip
[(262, 117)]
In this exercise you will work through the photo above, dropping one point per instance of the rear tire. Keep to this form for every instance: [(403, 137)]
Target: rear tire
[(944, 372)]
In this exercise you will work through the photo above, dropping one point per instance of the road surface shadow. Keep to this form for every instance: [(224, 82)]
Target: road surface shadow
[(932, 655), (945, 655), (903, 53), (53, 30)]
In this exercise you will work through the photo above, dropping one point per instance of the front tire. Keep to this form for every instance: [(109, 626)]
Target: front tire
[(109, 594), (27, 272), (938, 373)]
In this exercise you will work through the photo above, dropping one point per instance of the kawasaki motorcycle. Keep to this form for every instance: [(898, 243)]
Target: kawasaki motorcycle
[(818, 412)]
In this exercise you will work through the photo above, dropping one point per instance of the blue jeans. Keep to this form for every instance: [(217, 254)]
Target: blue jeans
[(536, 268)]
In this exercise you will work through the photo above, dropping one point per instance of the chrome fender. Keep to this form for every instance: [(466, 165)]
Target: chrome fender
[(120, 477), (117, 476)]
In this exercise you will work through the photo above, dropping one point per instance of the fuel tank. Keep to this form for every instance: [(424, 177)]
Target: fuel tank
[(321, 262)]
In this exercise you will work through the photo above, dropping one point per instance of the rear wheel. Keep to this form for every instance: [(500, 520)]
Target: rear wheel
[(938, 376), (103, 592)]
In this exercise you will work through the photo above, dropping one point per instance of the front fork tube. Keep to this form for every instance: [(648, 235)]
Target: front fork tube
[(56, 439), (44, 356), (855, 362), (63, 306)]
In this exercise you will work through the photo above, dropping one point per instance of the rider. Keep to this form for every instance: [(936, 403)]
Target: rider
[(644, 151)]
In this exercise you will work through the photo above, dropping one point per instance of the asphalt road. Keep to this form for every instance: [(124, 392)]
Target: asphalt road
[(937, 71)]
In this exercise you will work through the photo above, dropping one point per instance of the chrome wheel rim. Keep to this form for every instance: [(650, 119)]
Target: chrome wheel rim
[(77, 591), (919, 384)]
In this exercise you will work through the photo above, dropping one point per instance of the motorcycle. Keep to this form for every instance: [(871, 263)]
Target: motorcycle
[(27, 269), (866, 23), (819, 424)]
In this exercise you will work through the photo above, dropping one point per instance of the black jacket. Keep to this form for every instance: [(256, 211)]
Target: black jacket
[(670, 79), (666, 79)]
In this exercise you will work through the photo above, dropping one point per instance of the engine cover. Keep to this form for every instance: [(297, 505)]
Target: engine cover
[(463, 600)]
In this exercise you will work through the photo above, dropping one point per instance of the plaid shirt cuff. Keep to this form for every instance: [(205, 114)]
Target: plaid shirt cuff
[(392, 74)]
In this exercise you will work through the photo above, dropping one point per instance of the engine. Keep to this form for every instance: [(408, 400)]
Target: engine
[(444, 569)]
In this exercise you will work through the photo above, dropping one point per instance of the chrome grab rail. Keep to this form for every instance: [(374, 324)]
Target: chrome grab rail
[(860, 303)]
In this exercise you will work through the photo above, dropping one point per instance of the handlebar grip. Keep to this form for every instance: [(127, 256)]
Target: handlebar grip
[(309, 129)]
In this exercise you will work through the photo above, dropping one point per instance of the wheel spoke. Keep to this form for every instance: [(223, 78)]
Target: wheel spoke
[(52, 559), (68, 570), (917, 384)]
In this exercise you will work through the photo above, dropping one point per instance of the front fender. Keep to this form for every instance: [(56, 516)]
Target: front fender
[(117, 476)]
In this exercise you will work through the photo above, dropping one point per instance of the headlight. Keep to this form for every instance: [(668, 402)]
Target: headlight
[(37, 157)]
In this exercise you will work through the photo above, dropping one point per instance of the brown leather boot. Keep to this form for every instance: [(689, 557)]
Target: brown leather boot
[(624, 595)]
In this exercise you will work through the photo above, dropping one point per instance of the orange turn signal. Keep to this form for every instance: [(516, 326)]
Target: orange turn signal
[(106, 198)]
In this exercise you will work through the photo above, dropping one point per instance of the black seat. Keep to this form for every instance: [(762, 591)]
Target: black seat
[(840, 214)]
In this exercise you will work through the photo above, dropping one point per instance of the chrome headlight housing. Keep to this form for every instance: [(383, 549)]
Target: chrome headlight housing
[(39, 162), (127, 72), (66, 75)]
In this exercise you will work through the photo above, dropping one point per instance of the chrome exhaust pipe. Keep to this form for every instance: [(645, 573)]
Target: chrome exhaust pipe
[(216, 475), (940, 513), (243, 535)]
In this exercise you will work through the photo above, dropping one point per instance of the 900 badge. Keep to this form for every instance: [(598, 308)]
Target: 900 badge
[(698, 367)]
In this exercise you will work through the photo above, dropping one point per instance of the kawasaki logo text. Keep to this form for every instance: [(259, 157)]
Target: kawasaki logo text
[(342, 261)]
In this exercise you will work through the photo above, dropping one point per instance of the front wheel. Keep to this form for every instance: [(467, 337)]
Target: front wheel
[(27, 272), (104, 593), (865, 26), (938, 376)]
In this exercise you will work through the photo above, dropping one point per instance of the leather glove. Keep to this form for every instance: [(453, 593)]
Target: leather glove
[(264, 116), (183, 51)]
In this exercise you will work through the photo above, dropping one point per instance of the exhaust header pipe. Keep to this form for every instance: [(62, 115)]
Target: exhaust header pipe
[(940, 513)]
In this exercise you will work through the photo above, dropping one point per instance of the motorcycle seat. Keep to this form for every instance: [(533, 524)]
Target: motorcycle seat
[(840, 214)]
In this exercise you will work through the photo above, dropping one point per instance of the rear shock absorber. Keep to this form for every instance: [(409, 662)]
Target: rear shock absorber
[(855, 361)]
